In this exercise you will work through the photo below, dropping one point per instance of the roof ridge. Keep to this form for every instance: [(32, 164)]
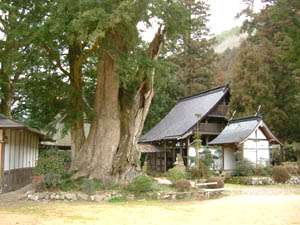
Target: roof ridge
[(203, 93), (245, 118)]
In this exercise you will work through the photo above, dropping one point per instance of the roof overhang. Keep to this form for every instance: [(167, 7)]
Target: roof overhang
[(147, 148)]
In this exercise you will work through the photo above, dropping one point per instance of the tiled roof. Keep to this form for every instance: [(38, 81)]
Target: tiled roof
[(5, 122), (239, 129), (185, 114)]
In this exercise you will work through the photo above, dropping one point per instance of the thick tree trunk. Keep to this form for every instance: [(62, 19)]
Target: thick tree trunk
[(77, 114), (77, 137), (6, 100), (110, 152)]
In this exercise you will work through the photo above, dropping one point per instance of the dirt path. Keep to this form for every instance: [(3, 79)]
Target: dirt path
[(232, 209)]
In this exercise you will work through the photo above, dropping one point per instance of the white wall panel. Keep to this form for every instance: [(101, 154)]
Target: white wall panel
[(7, 150), (12, 143), (21, 149), (17, 149), (250, 154), (229, 158)]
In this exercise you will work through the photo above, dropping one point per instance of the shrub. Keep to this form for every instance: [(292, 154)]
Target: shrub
[(269, 171), (260, 171), (182, 185), (202, 172), (280, 174), (52, 164), (292, 168), (243, 168), (52, 179), (220, 182), (91, 186), (141, 183), (117, 199), (208, 159), (174, 175)]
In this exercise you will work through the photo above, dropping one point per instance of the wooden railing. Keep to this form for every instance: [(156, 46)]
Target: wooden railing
[(210, 128), (219, 111)]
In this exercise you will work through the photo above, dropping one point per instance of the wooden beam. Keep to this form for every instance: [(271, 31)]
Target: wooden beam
[(165, 168), (187, 152), (155, 163), (281, 155), (223, 158), (1, 148)]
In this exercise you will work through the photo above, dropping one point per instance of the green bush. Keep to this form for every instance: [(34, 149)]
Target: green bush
[(220, 182), (261, 171), (117, 199), (280, 174), (238, 180), (141, 184), (53, 165), (52, 179), (174, 175), (182, 185), (269, 171), (91, 186), (243, 168), (208, 159), (202, 172)]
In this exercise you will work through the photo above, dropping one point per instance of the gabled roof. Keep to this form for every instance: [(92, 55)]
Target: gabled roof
[(6, 122), (146, 148), (185, 114), (239, 129)]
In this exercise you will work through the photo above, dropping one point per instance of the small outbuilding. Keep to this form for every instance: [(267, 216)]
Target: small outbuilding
[(19, 148), (249, 135)]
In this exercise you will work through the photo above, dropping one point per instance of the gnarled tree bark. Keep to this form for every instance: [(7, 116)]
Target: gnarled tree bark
[(110, 152)]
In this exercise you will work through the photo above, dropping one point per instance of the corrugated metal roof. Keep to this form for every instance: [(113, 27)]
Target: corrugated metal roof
[(183, 116), (146, 148), (5, 122), (237, 130)]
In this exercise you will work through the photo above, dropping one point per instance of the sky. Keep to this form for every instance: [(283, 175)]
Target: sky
[(222, 16), (223, 13)]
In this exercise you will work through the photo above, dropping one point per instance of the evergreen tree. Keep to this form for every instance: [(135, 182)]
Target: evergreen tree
[(264, 75), (15, 50), (194, 54)]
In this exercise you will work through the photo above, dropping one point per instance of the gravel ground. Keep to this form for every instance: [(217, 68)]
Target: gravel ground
[(259, 205)]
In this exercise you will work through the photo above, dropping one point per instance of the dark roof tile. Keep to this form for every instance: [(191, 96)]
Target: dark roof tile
[(185, 114)]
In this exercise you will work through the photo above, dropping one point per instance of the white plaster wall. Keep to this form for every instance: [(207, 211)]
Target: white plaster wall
[(257, 150), (229, 158), (217, 163), (6, 153), (260, 135), (21, 149)]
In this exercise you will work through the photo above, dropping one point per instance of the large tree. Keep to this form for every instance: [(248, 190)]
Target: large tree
[(265, 73), (194, 53), (15, 50), (124, 85)]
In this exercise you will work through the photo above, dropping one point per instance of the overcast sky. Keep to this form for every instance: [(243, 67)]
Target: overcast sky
[(223, 13), (222, 17)]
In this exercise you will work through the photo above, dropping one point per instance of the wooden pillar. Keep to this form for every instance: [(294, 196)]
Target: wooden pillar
[(165, 158), (281, 154), (1, 149), (223, 158), (155, 163), (206, 140), (181, 150), (187, 152)]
